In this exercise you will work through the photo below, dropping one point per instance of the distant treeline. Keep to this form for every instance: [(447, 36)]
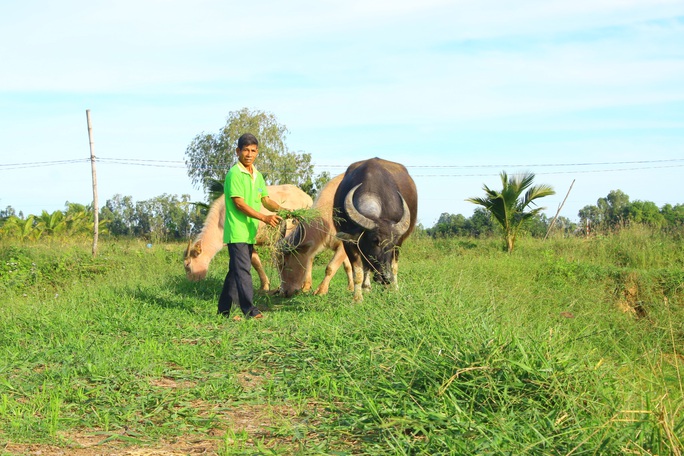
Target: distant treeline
[(613, 212), (163, 218), (169, 217)]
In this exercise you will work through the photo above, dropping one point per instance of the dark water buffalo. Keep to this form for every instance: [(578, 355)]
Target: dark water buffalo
[(375, 211)]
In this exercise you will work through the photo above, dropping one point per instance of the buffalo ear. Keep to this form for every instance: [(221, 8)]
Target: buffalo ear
[(346, 237)]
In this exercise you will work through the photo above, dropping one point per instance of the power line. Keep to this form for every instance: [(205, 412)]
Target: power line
[(180, 164), (536, 165), (587, 171), (9, 166), (142, 162)]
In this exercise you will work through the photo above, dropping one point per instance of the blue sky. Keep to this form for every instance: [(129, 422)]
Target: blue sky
[(590, 91)]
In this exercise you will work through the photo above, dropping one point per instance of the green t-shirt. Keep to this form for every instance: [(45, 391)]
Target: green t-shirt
[(238, 226)]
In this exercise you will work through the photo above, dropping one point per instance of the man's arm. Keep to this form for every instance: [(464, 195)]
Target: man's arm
[(272, 220), (271, 205)]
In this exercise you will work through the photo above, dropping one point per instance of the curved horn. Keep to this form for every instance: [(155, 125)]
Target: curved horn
[(402, 226), (292, 241), (356, 216), (282, 228)]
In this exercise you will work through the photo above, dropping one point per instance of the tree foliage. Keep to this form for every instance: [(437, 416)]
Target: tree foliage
[(172, 217), (509, 207), (616, 211), (210, 156), (76, 220), (449, 225), (162, 218)]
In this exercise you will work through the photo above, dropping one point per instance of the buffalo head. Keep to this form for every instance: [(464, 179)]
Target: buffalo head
[(378, 243), (291, 258)]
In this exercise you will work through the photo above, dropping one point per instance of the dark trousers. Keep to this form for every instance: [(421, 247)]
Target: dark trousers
[(238, 288)]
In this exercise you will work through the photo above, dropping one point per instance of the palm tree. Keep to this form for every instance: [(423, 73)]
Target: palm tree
[(16, 228), (507, 207), (54, 223)]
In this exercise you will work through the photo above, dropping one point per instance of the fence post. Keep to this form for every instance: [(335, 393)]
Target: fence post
[(96, 209)]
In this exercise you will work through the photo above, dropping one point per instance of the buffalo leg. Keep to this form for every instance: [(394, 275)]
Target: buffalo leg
[(395, 271), (366, 280), (357, 268), (308, 280), (338, 259), (350, 275)]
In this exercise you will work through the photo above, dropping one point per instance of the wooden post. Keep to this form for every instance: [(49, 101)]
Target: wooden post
[(96, 209), (559, 209)]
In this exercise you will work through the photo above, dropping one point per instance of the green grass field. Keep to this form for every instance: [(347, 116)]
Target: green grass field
[(567, 347)]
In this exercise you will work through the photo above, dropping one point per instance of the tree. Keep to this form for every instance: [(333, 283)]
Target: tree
[(565, 225), (7, 213), (80, 220), (50, 224), (210, 156), (674, 215), (615, 211), (614, 208), (120, 212), (507, 207), (448, 225), (18, 228), (161, 218), (645, 212), (313, 188), (480, 223), (537, 226), (590, 216)]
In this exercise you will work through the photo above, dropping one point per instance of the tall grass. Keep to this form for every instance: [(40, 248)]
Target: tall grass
[(569, 346)]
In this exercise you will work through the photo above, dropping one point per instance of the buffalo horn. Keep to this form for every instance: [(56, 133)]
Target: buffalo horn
[(403, 225), (356, 216), (282, 228)]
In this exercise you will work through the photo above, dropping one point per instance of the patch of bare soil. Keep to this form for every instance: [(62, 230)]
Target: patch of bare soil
[(258, 422), (90, 446), (628, 296), (168, 382)]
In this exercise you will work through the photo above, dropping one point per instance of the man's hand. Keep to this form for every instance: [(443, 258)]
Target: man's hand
[(272, 220)]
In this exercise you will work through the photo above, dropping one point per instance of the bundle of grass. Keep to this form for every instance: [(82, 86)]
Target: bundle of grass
[(305, 215), (291, 218)]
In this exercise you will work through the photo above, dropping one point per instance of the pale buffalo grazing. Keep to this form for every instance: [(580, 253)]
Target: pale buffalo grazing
[(375, 209), (210, 240), (297, 250)]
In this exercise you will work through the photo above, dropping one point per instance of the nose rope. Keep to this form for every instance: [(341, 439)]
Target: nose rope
[(368, 262), (293, 250)]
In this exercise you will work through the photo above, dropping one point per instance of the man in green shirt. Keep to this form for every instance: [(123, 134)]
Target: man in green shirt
[(245, 192)]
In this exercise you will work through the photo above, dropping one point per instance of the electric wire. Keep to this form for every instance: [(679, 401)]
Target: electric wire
[(658, 164), (11, 166)]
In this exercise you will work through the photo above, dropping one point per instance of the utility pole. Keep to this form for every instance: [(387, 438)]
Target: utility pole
[(96, 209)]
